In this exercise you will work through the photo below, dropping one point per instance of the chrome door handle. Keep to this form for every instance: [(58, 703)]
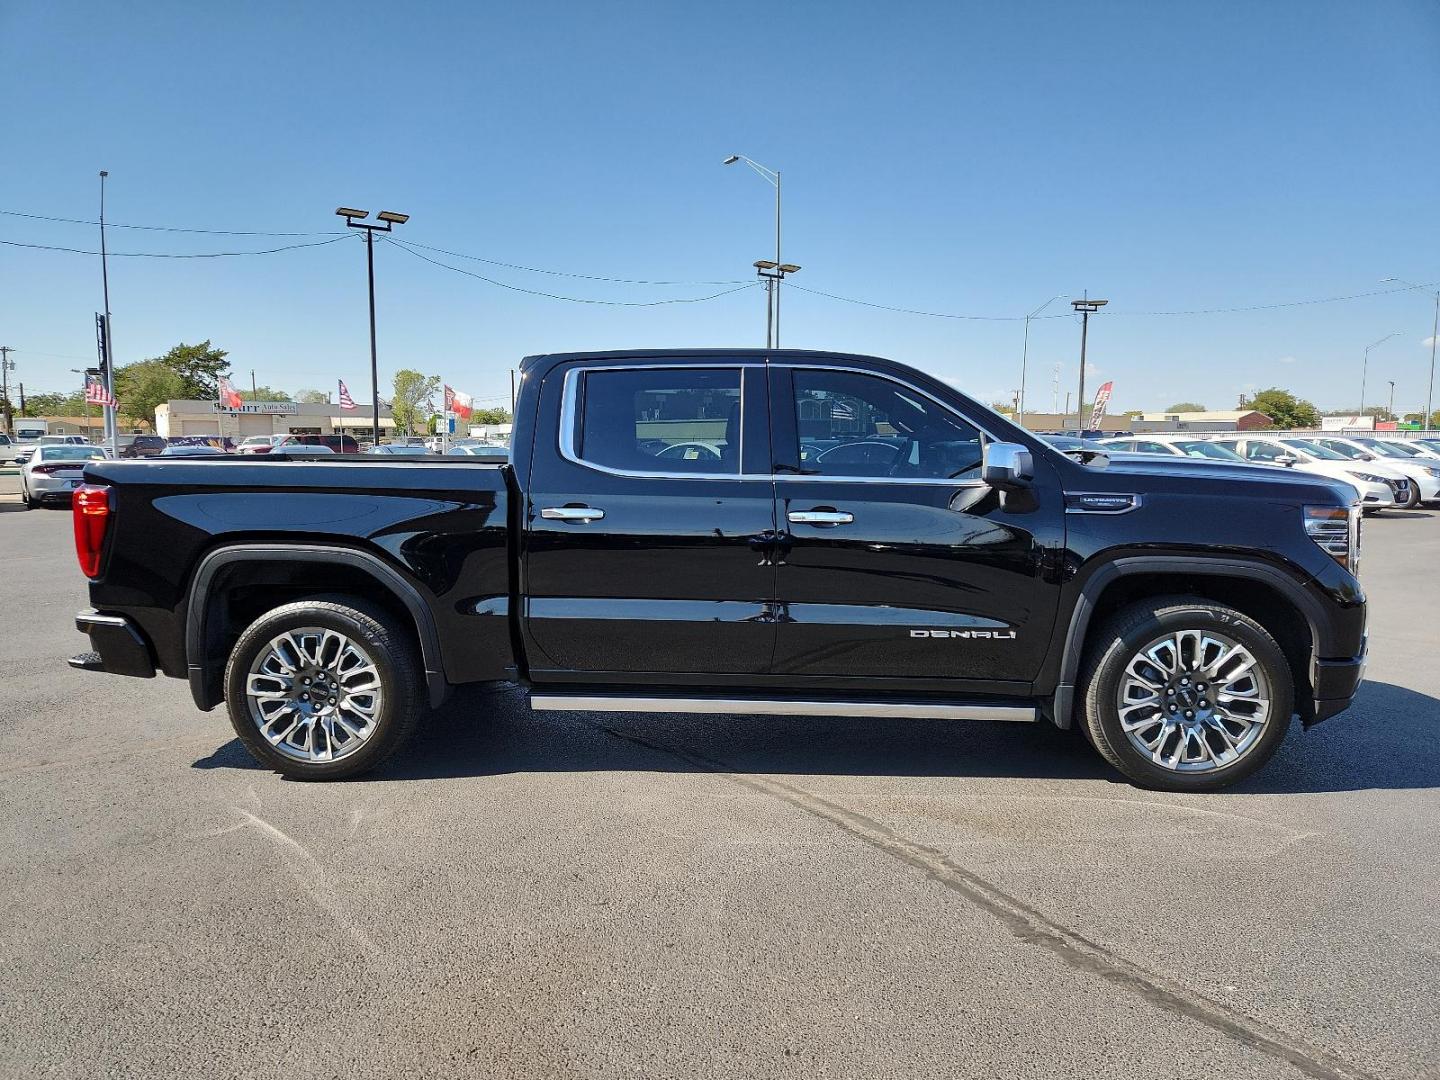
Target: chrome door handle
[(581, 514), (820, 517)]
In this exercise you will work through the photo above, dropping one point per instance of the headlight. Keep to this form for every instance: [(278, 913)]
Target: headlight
[(1337, 530), (1434, 472), (1369, 478)]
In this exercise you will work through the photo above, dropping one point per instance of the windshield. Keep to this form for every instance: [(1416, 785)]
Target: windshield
[(69, 453), (1399, 448), (1314, 449), (1206, 450), (1383, 449), (1345, 450)]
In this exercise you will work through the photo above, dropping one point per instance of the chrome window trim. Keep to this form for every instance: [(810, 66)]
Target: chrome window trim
[(570, 420), (986, 433)]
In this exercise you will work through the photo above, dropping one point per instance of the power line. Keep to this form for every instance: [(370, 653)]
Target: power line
[(174, 254), (570, 299), (566, 273), (914, 311), (161, 228), (1272, 307)]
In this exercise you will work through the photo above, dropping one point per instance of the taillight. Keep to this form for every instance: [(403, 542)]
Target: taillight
[(91, 506), (46, 469)]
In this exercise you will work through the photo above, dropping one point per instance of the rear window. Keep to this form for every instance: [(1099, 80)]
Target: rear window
[(669, 420), (69, 453)]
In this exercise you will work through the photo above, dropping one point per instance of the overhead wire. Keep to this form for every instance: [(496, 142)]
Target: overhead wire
[(175, 254), (570, 299), (165, 228)]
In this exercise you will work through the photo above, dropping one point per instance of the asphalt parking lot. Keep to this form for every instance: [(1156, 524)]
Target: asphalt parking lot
[(606, 896)]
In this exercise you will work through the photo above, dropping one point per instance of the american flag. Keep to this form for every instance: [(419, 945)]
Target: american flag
[(346, 401), (95, 394)]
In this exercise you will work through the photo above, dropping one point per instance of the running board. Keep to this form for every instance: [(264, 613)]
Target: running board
[(927, 710)]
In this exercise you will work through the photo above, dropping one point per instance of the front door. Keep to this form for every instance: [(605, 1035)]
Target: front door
[(898, 561), (650, 523)]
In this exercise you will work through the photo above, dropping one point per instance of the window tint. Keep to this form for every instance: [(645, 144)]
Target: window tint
[(1258, 451), (1147, 447), (53, 452), (865, 425), (675, 420)]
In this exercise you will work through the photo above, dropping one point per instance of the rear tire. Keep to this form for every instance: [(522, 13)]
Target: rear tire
[(323, 689), (1184, 695)]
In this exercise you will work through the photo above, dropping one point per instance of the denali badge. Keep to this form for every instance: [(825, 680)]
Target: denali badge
[(996, 635)]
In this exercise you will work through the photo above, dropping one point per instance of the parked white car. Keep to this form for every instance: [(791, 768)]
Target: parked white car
[(53, 471), (1174, 447), (8, 449), (1379, 486), (1424, 474)]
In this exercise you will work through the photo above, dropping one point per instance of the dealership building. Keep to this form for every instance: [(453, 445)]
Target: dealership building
[(177, 418)]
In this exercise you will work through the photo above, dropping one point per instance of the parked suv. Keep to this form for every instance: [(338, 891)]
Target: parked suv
[(340, 444), (134, 446)]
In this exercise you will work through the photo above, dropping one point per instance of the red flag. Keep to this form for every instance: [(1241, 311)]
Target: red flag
[(346, 401), (461, 404), (96, 394), (228, 397)]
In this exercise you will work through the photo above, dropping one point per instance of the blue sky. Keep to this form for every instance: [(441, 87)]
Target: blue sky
[(962, 158)]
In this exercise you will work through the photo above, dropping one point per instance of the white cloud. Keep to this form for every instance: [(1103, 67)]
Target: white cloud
[(1091, 369), (1429, 343), (1287, 360)]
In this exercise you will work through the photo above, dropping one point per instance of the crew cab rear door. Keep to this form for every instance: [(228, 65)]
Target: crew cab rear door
[(899, 562), (649, 522)]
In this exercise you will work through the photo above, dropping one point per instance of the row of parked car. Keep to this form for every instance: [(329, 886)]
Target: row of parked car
[(1387, 473), (51, 468)]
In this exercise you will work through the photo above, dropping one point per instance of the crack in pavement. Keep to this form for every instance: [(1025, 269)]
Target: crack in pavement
[(1031, 926)]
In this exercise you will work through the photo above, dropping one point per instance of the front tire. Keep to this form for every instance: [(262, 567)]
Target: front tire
[(324, 689), (1185, 695)]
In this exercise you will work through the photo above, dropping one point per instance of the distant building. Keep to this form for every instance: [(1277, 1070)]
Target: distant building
[(92, 426), (1243, 420), (175, 418), (1036, 421)]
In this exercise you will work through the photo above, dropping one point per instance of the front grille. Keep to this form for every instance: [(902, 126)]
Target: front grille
[(1401, 488)]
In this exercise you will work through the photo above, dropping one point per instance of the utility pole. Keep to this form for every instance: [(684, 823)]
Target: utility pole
[(512, 395), (6, 366), (1055, 391), (1084, 308), (1391, 410), (1434, 339), (254, 393)]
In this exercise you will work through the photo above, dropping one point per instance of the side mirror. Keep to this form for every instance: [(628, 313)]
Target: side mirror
[(1288, 460), (1007, 466)]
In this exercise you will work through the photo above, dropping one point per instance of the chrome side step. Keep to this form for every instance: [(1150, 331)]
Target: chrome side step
[(930, 710)]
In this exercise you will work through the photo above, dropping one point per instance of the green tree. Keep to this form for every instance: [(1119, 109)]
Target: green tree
[(1283, 408), (264, 393), (312, 397), (1131, 414), (497, 415), (141, 386), (1187, 406), (198, 368), (414, 399)]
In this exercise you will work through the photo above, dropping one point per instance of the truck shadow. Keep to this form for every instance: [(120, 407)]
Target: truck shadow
[(1386, 741)]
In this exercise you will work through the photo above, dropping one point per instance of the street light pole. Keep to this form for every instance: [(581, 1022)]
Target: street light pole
[(1085, 308), (1025, 358), (355, 220), (1365, 369), (1434, 337), (772, 287), (107, 371), (1391, 409)]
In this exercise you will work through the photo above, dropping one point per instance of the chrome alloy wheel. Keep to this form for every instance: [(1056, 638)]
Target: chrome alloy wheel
[(314, 694), (1194, 701)]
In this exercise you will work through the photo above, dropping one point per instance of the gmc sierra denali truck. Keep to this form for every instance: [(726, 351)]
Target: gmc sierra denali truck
[(736, 531)]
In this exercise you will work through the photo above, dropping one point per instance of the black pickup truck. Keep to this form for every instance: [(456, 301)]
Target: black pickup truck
[(736, 531)]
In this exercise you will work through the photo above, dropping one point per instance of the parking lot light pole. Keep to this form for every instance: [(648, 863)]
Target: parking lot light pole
[(1434, 338), (355, 220), (773, 273), (1025, 358), (1365, 369), (1084, 308), (772, 288)]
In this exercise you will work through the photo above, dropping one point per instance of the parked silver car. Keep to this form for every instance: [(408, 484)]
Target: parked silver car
[(54, 471)]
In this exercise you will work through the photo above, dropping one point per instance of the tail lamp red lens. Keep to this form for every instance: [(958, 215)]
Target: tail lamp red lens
[(90, 504)]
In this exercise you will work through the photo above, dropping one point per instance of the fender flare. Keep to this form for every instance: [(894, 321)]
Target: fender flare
[(1064, 697), (388, 577)]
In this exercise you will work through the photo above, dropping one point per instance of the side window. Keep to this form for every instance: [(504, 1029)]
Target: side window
[(868, 426), (675, 420), (1258, 451), (1152, 448)]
